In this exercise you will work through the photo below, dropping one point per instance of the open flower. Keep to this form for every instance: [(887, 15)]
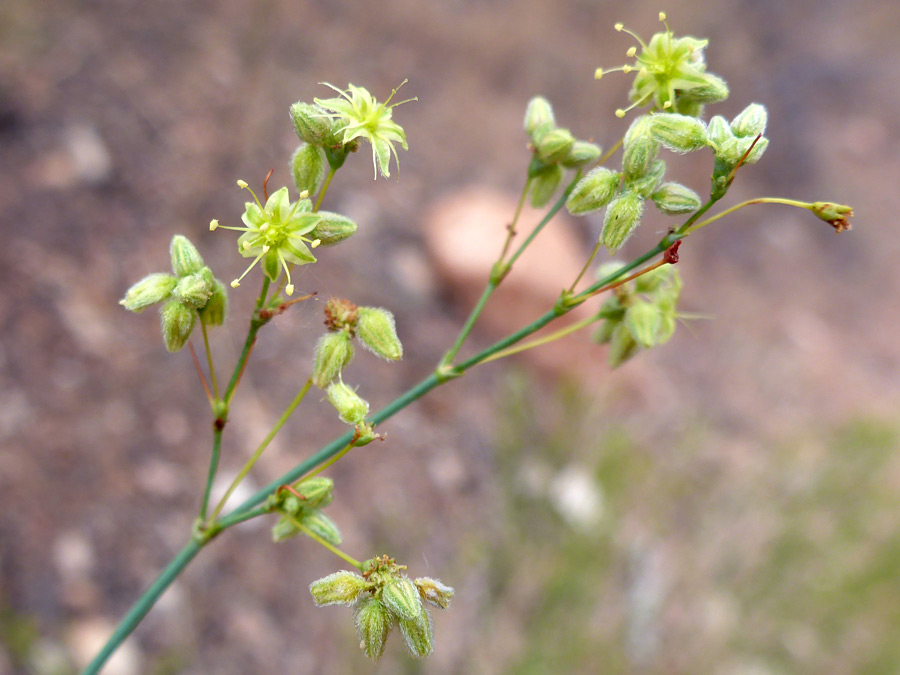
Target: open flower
[(671, 74), (274, 234), (364, 117)]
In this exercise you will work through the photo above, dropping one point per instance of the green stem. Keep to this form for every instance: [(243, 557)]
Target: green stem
[(255, 324), (218, 428), (515, 220), (316, 538), (248, 465), (609, 153), (325, 185), (209, 361), (140, 608), (547, 339), (749, 202), (347, 448), (586, 266)]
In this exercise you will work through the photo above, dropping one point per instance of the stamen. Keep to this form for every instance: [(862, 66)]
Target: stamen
[(213, 224), (237, 282), (621, 28), (631, 52), (289, 289)]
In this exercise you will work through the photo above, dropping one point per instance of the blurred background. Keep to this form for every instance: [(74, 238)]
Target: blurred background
[(727, 503)]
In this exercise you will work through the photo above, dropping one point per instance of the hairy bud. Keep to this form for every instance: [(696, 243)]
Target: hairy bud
[(216, 308), (340, 588), (418, 634), (593, 191), (177, 324), (373, 623), (332, 228), (623, 215), (554, 145), (581, 153), (148, 291), (751, 121), (434, 592), (544, 184), (194, 290), (538, 114), (312, 123), (678, 132), (377, 331), (333, 352), (351, 408), (308, 168), (185, 256), (674, 198)]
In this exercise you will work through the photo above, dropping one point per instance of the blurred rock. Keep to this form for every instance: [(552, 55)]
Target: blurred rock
[(464, 234)]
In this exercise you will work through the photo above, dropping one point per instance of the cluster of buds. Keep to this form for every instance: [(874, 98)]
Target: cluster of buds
[(301, 505), (383, 597), (671, 74), (281, 233), (740, 140), (375, 329), (555, 149), (641, 313), (331, 129), (190, 293), (624, 192)]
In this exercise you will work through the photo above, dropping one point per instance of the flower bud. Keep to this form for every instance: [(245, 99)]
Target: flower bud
[(333, 352), (148, 291), (177, 324), (434, 592), (320, 524), (185, 256), (622, 346), (554, 145), (713, 90), (647, 184), (373, 623), (643, 321), (332, 228), (283, 530), (638, 156), (751, 121), (594, 191), (340, 588), (402, 598), (213, 314), (759, 148), (317, 492), (545, 184), (419, 635), (312, 123), (673, 198), (836, 215), (378, 333), (679, 133), (623, 215), (193, 290), (581, 153), (538, 114), (718, 131), (604, 332), (308, 168), (351, 408)]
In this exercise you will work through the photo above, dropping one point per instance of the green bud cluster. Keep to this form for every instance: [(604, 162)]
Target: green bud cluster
[(383, 598), (191, 293), (640, 314), (741, 139), (303, 505), (555, 149)]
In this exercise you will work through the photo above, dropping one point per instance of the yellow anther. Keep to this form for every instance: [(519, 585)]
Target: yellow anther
[(620, 113), (667, 105), (662, 16), (619, 26), (598, 73), (631, 52), (315, 243), (627, 69), (246, 245), (235, 283), (304, 194), (213, 224), (242, 184), (289, 289)]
